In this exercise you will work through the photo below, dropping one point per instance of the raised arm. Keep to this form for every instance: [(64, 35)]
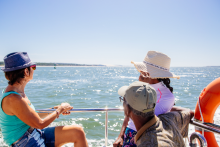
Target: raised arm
[(43, 115), (19, 107), (175, 108)]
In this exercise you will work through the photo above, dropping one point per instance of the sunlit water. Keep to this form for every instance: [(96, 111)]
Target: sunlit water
[(96, 87)]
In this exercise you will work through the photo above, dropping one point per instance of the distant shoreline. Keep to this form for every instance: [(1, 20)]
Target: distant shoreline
[(59, 64), (112, 66), (79, 66), (68, 66), (1, 65)]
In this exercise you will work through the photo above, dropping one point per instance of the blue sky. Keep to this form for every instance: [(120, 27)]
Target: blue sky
[(112, 32)]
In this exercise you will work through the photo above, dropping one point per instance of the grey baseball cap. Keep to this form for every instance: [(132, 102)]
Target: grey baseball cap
[(139, 95)]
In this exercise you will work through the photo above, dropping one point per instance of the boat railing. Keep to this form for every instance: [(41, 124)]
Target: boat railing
[(106, 110)]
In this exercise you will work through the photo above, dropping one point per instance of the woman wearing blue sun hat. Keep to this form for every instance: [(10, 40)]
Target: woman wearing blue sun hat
[(20, 124)]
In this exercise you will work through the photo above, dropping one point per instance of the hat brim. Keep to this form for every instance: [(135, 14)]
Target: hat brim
[(140, 66), (154, 72), (122, 91), (17, 68)]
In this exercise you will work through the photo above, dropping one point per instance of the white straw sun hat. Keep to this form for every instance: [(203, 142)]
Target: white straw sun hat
[(156, 64)]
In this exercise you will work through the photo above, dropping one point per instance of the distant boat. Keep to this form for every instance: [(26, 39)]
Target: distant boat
[(55, 66)]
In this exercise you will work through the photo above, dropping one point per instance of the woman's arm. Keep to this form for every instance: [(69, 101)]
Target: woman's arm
[(175, 108), (120, 139), (43, 115), (19, 107)]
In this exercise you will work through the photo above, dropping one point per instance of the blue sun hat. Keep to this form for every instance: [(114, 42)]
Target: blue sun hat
[(16, 61)]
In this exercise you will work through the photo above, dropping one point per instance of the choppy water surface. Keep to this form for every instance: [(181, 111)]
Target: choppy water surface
[(96, 87)]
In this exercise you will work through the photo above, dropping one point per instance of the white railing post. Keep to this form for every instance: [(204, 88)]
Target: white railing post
[(89, 110), (106, 128)]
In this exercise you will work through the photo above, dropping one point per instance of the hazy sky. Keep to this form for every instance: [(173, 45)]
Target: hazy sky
[(112, 31)]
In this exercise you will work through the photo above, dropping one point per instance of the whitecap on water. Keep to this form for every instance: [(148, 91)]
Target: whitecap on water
[(183, 75), (94, 143), (41, 81), (97, 91), (125, 77), (73, 81)]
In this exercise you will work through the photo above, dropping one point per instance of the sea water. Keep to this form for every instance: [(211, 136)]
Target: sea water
[(97, 87)]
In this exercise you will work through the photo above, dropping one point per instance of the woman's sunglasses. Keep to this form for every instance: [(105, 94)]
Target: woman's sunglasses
[(121, 98), (33, 67)]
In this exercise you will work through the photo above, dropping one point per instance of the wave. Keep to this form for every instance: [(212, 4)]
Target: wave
[(60, 81), (125, 77)]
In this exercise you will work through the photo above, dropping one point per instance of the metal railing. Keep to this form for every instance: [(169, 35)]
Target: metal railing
[(194, 136), (90, 110), (205, 127), (106, 110)]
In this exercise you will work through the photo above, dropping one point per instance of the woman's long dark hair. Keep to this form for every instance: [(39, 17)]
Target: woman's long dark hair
[(166, 81)]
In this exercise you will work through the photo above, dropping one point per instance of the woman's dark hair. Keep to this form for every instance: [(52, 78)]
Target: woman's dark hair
[(166, 81), (15, 76)]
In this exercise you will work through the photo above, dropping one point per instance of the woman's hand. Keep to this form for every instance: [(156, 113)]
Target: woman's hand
[(66, 113), (64, 108), (55, 107), (118, 142)]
